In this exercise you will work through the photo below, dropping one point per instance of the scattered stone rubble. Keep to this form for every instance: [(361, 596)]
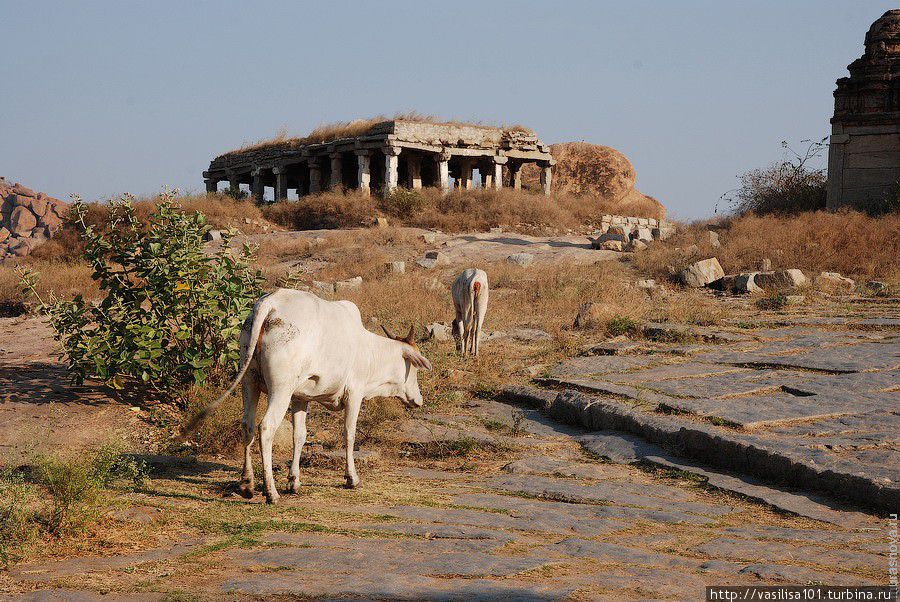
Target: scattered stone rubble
[(709, 273), (620, 233), (27, 219)]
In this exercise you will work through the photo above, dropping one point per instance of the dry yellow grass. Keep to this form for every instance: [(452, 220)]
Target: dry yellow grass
[(350, 129), (852, 243)]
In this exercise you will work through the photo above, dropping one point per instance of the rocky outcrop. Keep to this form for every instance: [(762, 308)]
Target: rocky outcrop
[(27, 219), (592, 170)]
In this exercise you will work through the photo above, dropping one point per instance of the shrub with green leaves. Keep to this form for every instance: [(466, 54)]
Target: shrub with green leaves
[(172, 312), (402, 202)]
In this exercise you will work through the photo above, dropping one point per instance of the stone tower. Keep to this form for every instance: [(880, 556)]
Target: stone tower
[(864, 151)]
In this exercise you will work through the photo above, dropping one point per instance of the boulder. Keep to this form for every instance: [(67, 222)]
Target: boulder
[(701, 273), (643, 234), (638, 245), (833, 280), (713, 239), (781, 279), (23, 191), (39, 205), (395, 267), (381, 222), (428, 237), (212, 235), (22, 221), (4, 234), (622, 231), (612, 245), (746, 283), (522, 259), (433, 259)]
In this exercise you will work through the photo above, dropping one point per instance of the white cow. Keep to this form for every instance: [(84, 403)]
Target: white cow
[(299, 348), (470, 300)]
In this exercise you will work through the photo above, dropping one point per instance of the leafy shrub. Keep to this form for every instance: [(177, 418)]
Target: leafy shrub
[(402, 202), (73, 485), (619, 325), (18, 525), (790, 186), (171, 314)]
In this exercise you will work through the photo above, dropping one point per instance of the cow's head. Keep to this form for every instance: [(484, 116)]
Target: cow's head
[(415, 361)]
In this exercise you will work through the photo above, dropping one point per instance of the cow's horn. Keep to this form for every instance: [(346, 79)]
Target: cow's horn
[(412, 333), (388, 332)]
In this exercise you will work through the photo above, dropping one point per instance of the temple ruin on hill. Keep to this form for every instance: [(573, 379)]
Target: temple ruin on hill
[(387, 154), (864, 149)]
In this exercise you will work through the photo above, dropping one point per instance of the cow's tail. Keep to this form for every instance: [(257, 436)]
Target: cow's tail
[(260, 315), (473, 309)]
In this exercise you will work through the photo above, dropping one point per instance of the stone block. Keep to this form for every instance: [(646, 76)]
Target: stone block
[(746, 283), (713, 239), (319, 287), (702, 273), (436, 331), (521, 259), (644, 234), (620, 230), (212, 235), (348, 285), (612, 245), (395, 267)]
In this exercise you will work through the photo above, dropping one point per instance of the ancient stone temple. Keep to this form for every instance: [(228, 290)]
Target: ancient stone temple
[(864, 150), (382, 155)]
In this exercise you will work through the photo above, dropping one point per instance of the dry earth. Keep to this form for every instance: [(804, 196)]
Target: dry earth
[(527, 511)]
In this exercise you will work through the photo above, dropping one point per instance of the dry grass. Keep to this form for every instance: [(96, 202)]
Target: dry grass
[(351, 129), (460, 211), (852, 243)]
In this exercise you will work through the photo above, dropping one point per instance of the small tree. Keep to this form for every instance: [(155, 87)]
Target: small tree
[(172, 313), (791, 186)]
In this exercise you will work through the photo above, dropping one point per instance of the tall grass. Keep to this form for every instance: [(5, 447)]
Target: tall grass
[(852, 243)]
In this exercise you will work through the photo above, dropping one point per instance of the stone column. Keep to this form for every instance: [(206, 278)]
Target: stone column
[(256, 188), (546, 177), (234, 185), (315, 175), (443, 171), (364, 176), (280, 183), (487, 176), (211, 186), (465, 174), (391, 163), (414, 167), (337, 178), (515, 175), (497, 175)]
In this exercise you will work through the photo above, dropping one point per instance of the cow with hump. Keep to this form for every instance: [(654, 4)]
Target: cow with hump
[(298, 348)]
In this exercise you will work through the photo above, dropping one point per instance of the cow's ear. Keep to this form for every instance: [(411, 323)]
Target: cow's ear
[(415, 358)]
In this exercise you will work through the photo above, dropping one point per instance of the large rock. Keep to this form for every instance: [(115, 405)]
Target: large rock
[(781, 279), (833, 280), (701, 273), (22, 221), (522, 259)]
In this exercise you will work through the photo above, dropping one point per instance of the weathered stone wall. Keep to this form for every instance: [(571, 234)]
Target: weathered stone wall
[(864, 150), (27, 219)]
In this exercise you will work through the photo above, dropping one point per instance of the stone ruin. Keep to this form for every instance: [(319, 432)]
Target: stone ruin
[(389, 154), (27, 219), (864, 149)]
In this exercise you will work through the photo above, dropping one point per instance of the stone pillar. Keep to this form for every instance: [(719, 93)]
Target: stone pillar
[(391, 163), (497, 175), (364, 175), (465, 174), (443, 171), (234, 185), (546, 178), (414, 168), (211, 186), (315, 175), (280, 183), (515, 175), (256, 188), (487, 176), (337, 178)]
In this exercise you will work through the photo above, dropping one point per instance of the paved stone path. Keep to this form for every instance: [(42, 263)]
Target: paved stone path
[(826, 398), (540, 521)]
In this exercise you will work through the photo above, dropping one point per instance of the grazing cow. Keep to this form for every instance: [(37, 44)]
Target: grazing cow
[(470, 300), (299, 348)]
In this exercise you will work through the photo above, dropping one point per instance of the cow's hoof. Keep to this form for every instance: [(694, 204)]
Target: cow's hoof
[(293, 484), (351, 482), (246, 491), (272, 499)]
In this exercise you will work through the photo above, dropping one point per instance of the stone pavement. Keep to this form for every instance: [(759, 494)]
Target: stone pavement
[(801, 405), (542, 521)]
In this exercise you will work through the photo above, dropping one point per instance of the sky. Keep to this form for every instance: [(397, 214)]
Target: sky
[(101, 98)]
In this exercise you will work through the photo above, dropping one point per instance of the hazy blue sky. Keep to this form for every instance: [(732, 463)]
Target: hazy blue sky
[(104, 97)]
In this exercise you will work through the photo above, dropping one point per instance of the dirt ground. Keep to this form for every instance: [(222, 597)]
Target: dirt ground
[(525, 512)]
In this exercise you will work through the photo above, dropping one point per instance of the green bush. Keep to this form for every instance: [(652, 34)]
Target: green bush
[(619, 325), (18, 524), (402, 202), (172, 313)]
